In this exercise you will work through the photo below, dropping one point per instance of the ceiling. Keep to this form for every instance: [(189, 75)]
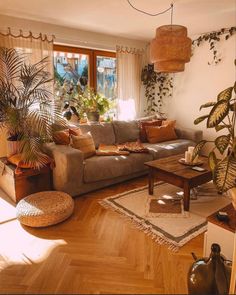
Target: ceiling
[(116, 17)]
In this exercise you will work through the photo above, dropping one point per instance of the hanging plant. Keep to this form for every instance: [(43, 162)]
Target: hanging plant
[(157, 86), (212, 38)]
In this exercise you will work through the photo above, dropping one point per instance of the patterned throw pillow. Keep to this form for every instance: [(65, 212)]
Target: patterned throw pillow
[(84, 143), (160, 134), (142, 130)]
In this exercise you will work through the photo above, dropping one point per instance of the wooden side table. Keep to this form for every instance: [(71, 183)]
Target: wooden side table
[(30, 181), (221, 233)]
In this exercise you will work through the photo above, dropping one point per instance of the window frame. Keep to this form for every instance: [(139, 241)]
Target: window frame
[(92, 56)]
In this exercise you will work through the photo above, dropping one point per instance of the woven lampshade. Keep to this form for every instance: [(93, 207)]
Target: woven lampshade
[(170, 49)]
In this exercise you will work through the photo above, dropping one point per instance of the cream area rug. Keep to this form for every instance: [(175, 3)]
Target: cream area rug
[(162, 217)]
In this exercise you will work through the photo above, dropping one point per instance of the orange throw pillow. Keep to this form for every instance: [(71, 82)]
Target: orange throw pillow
[(143, 124), (168, 122), (160, 134), (62, 137), (17, 161)]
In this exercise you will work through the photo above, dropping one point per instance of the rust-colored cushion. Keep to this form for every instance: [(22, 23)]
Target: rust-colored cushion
[(84, 143), (142, 130), (17, 161), (168, 122), (62, 137), (75, 131), (160, 134)]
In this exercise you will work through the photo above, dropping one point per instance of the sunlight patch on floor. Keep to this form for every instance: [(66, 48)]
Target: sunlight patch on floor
[(7, 208)]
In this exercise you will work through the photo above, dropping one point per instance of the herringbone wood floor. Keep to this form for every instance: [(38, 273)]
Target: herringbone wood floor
[(94, 252)]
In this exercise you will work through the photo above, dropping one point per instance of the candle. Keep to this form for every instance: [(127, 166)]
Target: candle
[(187, 157)]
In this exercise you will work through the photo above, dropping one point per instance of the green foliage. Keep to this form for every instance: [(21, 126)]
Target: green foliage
[(26, 106), (222, 116), (212, 38), (157, 87), (91, 101)]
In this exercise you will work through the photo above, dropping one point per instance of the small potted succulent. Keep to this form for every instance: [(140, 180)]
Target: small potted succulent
[(222, 116)]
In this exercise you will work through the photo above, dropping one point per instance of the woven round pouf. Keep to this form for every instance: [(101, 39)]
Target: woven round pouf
[(44, 208)]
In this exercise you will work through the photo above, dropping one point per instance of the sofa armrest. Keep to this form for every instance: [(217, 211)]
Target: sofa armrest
[(187, 133), (69, 165)]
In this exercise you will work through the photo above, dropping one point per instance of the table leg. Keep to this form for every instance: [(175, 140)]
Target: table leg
[(150, 181), (186, 196)]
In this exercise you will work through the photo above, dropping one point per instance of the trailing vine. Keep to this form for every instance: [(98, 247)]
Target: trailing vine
[(157, 86), (212, 38)]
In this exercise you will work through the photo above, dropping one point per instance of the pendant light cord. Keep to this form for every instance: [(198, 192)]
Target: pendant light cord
[(153, 14)]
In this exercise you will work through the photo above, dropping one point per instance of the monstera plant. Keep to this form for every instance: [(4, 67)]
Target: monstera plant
[(222, 116)]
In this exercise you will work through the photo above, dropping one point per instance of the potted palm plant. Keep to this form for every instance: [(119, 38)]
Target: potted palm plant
[(92, 104), (27, 109), (222, 116)]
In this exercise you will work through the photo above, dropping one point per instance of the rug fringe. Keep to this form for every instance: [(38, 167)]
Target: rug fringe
[(141, 225)]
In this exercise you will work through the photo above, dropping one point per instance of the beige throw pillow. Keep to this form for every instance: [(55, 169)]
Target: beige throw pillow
[(84, 143)]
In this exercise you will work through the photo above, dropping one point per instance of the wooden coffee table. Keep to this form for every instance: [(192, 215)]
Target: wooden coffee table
[(171, 171)]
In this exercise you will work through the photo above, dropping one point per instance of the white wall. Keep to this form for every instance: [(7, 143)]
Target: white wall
[(200, 83)]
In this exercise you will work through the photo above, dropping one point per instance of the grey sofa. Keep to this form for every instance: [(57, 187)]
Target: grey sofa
[(75, 175)]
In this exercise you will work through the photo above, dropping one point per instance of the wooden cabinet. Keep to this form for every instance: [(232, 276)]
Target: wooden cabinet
[(29, 182), (221, 233)]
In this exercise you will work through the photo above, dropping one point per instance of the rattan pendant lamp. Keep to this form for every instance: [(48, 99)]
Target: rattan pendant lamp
[(171, 48)]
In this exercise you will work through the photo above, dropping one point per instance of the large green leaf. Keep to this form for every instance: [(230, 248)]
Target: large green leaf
[(225, 174), (220, 127), (212, 160), (207, 105), (198, 147), (225, 94), (218, 113), (222, 143), (200, 119)]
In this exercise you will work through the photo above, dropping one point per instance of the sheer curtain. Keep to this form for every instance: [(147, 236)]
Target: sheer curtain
[(129, 63), (35, 48)]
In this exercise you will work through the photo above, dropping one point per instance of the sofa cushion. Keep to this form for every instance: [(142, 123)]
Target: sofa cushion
[(104, 167), (126, 131), (142, 128), (101, 133), (160, 134), (84, 143), (168, 148)]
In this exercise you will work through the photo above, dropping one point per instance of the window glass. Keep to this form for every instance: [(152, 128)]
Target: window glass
[(106, 79)]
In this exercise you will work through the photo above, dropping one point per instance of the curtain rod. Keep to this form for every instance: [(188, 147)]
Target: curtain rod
[(16, 33)]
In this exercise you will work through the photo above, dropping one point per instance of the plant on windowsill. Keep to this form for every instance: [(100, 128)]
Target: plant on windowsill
[(222, 116), (92, 104), (27, 110)]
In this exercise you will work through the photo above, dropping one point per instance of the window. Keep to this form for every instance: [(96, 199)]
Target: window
[(78, 67)]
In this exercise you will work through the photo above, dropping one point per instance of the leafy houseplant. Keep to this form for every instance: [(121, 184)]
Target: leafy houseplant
[(92, 104), (222, 116), (159, 84), (27, 110)]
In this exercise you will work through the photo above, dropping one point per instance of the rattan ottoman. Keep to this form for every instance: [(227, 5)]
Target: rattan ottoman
[(44, 208)]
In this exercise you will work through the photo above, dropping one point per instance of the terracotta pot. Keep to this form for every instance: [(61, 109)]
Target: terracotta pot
[(13, 147)]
